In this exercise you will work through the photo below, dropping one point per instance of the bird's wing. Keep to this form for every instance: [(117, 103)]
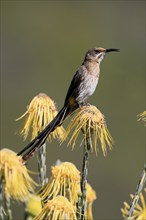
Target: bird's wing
[(74, 86)]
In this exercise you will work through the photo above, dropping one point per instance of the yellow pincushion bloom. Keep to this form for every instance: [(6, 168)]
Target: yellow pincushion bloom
[(91, 122), (41, 111), (64, 181), (59, 208), (13, 173), (90, 197)]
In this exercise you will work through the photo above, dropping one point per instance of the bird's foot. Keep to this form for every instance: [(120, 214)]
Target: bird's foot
[(84, 104)]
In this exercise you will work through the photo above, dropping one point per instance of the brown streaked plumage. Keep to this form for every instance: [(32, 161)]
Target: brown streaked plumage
[(82, 86)]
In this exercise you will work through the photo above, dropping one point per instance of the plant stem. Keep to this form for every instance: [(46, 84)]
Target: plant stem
[(81, 205), (1, 198), (5, 200), (137, 193), (41, 158), (8, 207)]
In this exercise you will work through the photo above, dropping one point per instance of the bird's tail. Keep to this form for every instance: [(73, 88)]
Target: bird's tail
[(37, 142)]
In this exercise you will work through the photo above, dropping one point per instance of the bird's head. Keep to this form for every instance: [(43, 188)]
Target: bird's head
[(97, 54)]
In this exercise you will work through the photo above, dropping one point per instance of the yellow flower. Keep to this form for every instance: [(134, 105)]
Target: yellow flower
[(139, 212), (142, 116), (17, 182), (90, 197), (41, 111), (91, 122), (64, 181), (59, 208), (34, 206)]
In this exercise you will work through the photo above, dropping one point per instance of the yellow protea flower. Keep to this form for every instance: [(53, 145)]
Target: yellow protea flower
[(142, 116), (59, 208), (90, 197), (139, 212), (33, 206), (91, 122), (64, 181), (17, 182), (41, 111)]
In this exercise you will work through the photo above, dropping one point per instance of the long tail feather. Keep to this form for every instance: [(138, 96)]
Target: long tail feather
[(41, 138)]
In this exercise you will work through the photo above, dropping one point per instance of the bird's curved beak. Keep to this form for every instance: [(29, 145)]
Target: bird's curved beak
[(111, 50)]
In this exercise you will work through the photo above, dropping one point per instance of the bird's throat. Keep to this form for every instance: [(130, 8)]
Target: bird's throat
[(92, 67)]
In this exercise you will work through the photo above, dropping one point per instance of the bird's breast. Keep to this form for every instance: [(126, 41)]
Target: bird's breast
[(87, 87)]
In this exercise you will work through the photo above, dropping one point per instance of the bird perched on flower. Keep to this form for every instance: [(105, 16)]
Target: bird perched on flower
[(82, 86)]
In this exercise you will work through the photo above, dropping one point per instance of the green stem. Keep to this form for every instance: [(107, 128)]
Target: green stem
[(81, 205), (137, 193), (1, 199), (5, 200), (41, 158), (8, 207)]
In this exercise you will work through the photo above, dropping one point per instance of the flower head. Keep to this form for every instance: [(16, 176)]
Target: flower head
[(41, 111), (33, 206), (17, 182), (139, 212), (90, 197), (91, 122), (64, 181), (142, 116), (91, 194), (57, 208)]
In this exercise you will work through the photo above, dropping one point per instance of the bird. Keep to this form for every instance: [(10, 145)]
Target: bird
[(82, 86)]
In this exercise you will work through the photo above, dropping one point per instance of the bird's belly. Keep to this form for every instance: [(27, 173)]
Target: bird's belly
[(87, 88)]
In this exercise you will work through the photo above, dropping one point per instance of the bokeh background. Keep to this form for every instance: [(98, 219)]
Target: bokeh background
[(43, 44)]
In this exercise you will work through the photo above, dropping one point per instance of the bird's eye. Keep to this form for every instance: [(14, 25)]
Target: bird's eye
[(96, 51)]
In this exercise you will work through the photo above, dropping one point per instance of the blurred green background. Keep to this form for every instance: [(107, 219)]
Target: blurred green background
[(43, 44)]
